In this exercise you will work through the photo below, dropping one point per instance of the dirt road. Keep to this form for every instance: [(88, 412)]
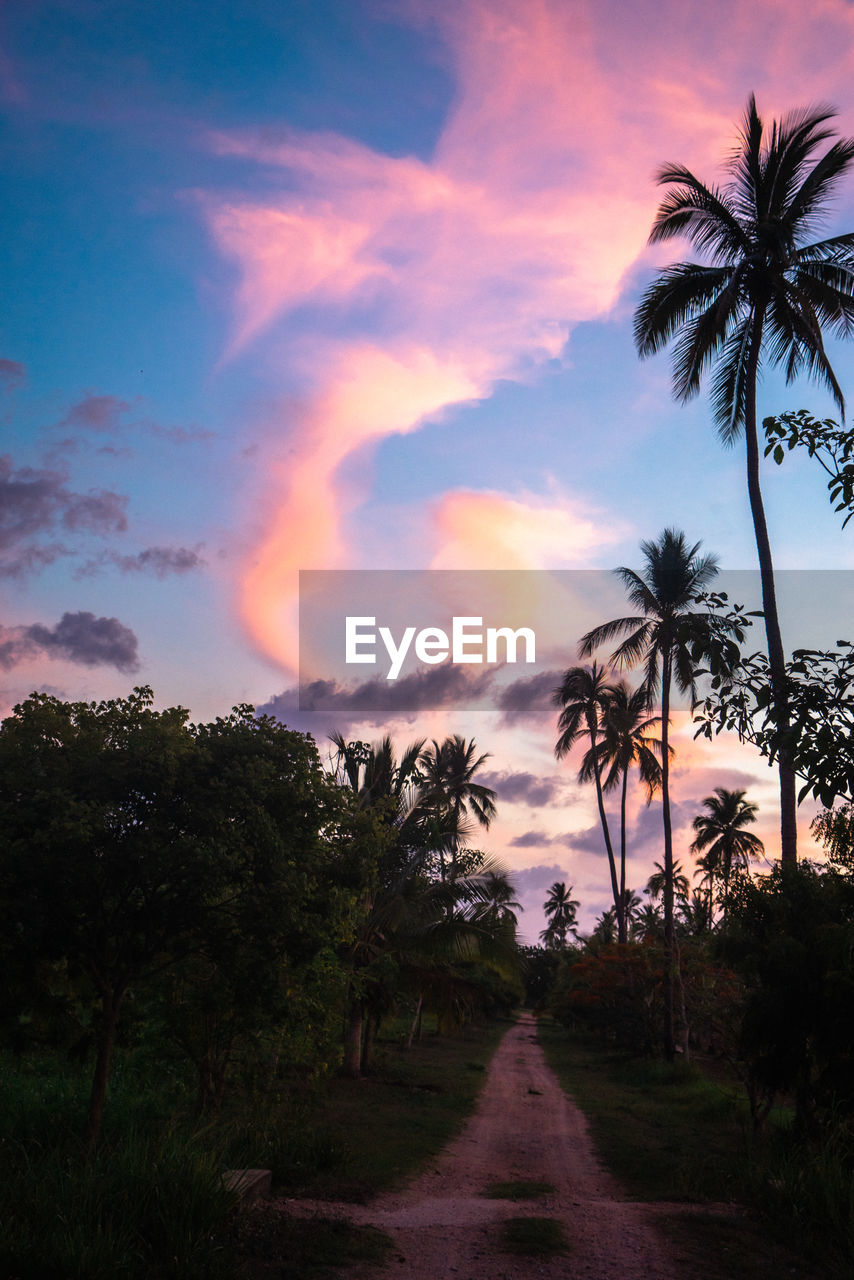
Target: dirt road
[(524, 1128)]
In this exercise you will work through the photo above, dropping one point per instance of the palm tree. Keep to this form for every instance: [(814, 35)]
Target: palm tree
[(655, 883), (585, 694), (673, 576), (625, 726), (499, 905), (722, 839), (409, 924), (561, 909), (447, 773), (762, 291)]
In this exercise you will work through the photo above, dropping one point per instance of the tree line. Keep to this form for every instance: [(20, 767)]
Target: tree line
[(214, 889)]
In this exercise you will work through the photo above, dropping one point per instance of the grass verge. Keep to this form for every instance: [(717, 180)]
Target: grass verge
[(370, 1134), (152, 1201), (669, 1134), (534, 1237)]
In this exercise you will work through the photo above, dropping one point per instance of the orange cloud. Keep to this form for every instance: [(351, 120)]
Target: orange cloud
[(490, 530)]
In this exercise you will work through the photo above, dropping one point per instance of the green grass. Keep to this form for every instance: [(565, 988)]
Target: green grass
[(669, 1133), (666, 1132), (374, 1133), (151, 1205), (534, 1237), (520, 1190), (304, 1248)]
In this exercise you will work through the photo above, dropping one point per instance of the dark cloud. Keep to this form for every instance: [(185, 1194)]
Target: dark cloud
[(36, 505), (529, 699), (325, 705), (538, 879), (96, 413), (532, 840), (161, 561), (524, 788), (181, 435), (590, 840), (98, 512), (77, 637), (12, 374)]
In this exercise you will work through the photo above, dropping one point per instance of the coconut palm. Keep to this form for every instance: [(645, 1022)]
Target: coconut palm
[(660, 636), (763, 292), (452, 795), (626, 726), (585, 694), (499, 905), (561, 909), (722, 838), (410, 927), (655, 883)]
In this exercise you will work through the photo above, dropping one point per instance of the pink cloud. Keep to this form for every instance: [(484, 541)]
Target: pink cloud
[(474, 265)]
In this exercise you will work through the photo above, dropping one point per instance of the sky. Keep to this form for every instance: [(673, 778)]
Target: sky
[(349, 285)]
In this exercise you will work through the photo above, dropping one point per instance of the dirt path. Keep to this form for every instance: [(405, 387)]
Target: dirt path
[(524, 1128)]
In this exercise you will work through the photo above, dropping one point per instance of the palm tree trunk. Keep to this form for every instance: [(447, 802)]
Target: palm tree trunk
[(612, 866), (776, 656), (669, 950), (622, 924)]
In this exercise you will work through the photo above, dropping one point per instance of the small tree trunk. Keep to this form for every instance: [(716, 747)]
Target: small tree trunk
[(371, 1029), (352, 1066), (416, 1023), (111, 1003)]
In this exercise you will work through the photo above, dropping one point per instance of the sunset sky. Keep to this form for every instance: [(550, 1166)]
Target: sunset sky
[(331, 284)]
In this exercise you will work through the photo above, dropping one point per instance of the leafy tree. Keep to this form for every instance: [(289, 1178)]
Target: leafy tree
[(561, 909), (817, 734), (584, 695), (626, 728), (826, 441), (762, 291), (722, 839), (791, 939), (664, 635), (136, 842), (264, 975), (835, 829)]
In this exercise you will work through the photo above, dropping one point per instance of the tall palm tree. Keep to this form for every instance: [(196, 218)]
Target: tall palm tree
[(585, 694), (626, 726), (762, 291), (561, 909), (658, 636), (722, 838), (447, 773)]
